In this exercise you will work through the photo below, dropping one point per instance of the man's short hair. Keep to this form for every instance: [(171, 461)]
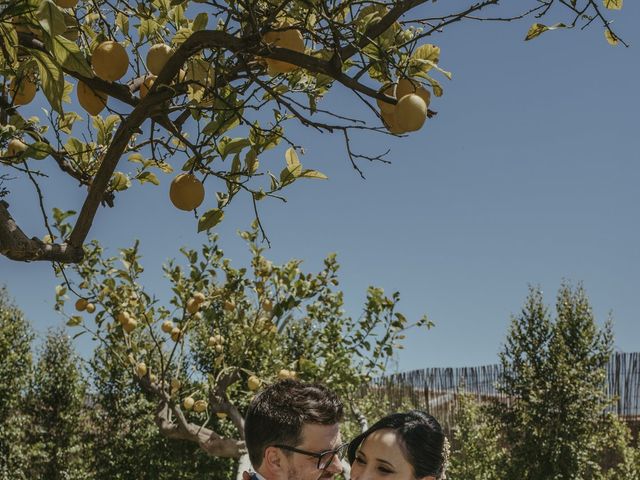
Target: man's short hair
[(277, 414)]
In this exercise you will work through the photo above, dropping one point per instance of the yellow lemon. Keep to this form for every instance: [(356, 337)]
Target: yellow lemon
[(253, 383), (22, 91), (291, 39), (186, 192), (175, 384), (167, 326), (391, 123), (176, 334), (92, 101), (110, 61), (389, 90), (123, 317), (157, 57), (141, 369), (187, 403), (81, 304), (199, 297), (130, 326), (91, 308), (200, 406), (15, 147), (146, 85), (192, 306), (411, 112), (406, 86)]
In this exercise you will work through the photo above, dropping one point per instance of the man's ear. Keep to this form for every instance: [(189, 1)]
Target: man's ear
[(272, 461)]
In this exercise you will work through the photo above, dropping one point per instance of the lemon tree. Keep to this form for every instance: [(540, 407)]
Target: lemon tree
[(227, 332), (181, 87)]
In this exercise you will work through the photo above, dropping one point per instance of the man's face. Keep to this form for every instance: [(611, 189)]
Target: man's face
[(315, 438)]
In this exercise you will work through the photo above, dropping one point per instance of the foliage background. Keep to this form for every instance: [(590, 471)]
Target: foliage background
[(110, 434)]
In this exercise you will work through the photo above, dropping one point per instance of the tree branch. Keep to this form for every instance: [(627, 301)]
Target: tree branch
[(208, 440), (15, 245)]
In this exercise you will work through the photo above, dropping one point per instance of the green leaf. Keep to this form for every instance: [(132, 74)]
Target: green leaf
[(313, 174), (435, 85), (251, 161), (51, 18), (51, 78), (68, 88), (66, 121), (225, 121), (74, 321), (39, 150), (292, 157), (69, 56), (181, 36), (611, 37), (105, 127), (122, 22), (136, 158), (200, 22), (275, 184), (235, 165), (426, 52), (120, 181), (60, 215), (232, 146), (431, 65), (535, 30), (10, 41), (147, 28), (290, 173), (210, 219), (148, 177), (613, 4)]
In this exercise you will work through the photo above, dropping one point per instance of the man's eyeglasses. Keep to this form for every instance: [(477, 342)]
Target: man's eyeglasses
[(324, 458)]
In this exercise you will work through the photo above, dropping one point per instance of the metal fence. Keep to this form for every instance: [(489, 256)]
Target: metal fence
[(436, 389)]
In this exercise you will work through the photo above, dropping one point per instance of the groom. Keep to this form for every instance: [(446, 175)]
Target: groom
[(292, 432)]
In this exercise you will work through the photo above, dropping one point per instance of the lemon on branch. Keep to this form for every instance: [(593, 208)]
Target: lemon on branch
[(390, 91), (411, 112), (290, 38), (15, 147), (157, 57), (253, 383), (167, 326), (110, 61), (391, 122), (92, 101), (407, 86), (22, 90), (186, 192), (146, 85), (81, 304)]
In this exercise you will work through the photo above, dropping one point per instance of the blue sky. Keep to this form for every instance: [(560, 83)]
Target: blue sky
[(529, 174)]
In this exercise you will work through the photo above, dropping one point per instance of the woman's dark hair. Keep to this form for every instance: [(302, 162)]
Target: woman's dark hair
[(421, 441)]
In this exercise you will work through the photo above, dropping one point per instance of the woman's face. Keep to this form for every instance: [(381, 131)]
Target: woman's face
[(380, 457)]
